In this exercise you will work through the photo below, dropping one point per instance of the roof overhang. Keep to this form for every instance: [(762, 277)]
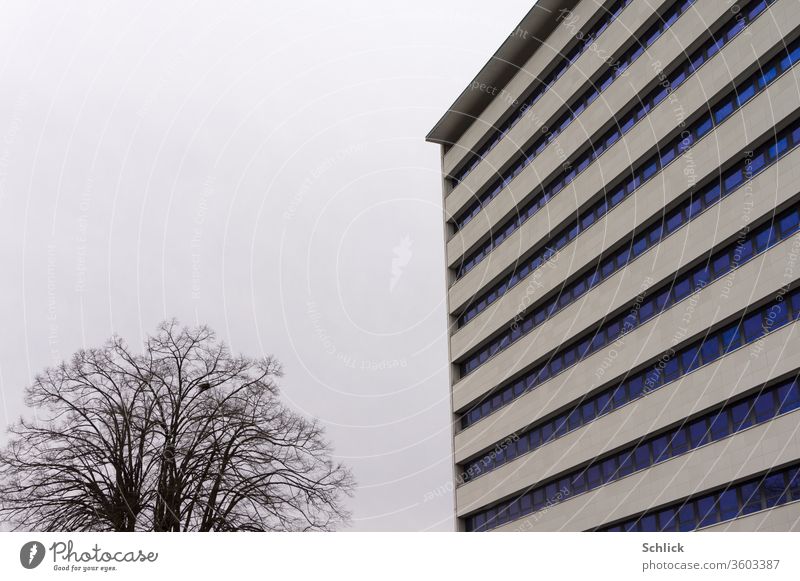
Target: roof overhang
[(524, 40)]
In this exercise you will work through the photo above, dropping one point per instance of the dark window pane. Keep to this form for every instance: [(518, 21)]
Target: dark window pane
[(777, 316), (789, 397), (752, 327), (635, 386), (659, 448), (698, 432), (764, 407), (690, 359), (641, 456), (707, 510), (620, 395), (609, 468), (740, 413), (682, 289), (710, 349), (701, 276), (750, 498), (794, 484), (667, 520), (680, 442), (686, 517), (626, 465), (671, 370), (719, 425), (774, 490), (731, 338), (721, 264), (728, 505)]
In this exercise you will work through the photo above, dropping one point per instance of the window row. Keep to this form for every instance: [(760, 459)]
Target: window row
[(660, 372), (608, 16), (689, 435), (770, 490), (592, 215), (552, 130), (746, 15), (649, 169), (639, 311), (726, 107)]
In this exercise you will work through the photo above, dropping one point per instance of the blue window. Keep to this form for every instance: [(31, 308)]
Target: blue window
[(751, 498), (701, 276), (607, 268), (719, 426), (680, 442), (796, 304), (659, 447), (682, 289), (740, 415), (674, 222), (789, 223), (744, 251), (609, 468), (667, 520), (756, 164), (617, 196), (745, 92), (707, 510), (538, 499), (625, 465), (649, 170), (752, 327), (721, 264), (575, 419), (733, 179), (710, 350), (777, 316), (587, 412), (690, 359), (535, 438), (728, 504), (764, 237), (648, 524), (794, 484), (598, 340), (779, 147), (698, 432), (646, 310), (686, 517), (731, 338), (579, 483), (789, 397), (603, 403), (723, 110), (635, 387), (704, 127), (767, 76), (547, 432), (774, 490), (764, 408), (620, 397), (671, 370), (641, 456), (667, 156)]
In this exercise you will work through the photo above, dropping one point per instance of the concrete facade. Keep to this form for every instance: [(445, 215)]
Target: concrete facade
[(472, 120)]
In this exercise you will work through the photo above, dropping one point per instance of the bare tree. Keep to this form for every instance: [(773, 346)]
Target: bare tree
[(183, 437)]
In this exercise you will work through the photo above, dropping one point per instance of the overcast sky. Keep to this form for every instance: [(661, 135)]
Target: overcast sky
[(259, 167)]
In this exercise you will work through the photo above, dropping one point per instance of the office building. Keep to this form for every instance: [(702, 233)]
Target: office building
[(622, 207)]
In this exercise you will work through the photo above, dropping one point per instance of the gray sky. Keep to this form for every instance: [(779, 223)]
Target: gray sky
[(259, 167)]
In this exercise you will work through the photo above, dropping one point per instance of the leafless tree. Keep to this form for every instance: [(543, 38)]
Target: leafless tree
[(183, 437)]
